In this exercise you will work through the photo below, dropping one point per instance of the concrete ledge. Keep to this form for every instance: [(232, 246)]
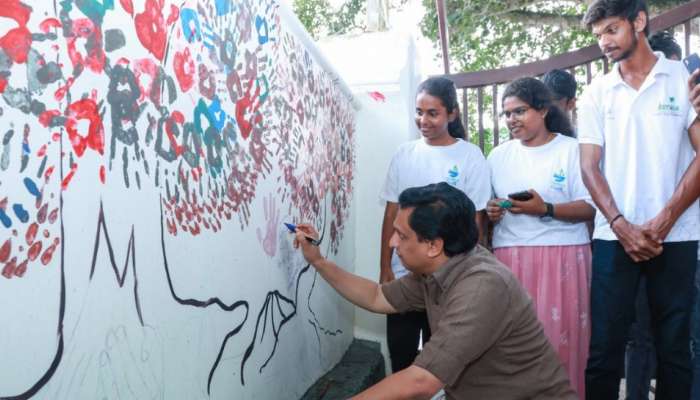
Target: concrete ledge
[(361, 367)]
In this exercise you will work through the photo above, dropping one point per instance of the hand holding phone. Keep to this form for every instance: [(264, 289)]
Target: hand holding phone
[(496, 209), (692, 63), (521, 196)]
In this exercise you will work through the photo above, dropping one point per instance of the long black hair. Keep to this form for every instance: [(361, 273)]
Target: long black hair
[(536, 94), (664, 42), (444, 89)]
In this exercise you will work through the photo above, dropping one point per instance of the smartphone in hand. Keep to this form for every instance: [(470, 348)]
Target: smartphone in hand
[(692, 62), (521, 196)]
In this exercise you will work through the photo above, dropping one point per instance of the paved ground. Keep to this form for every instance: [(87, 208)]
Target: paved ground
[(440, 396), (362, 366)]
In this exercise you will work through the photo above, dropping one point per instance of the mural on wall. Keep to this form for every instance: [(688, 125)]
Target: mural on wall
[(150, 152)]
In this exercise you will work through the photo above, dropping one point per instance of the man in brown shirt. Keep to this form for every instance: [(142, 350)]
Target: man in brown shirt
[(486, 341)]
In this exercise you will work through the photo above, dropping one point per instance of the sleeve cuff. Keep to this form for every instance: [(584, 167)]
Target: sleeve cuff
[(440, 363), (386, 197), (590, 202), (590, 140), (692, 115), (586, 198), (482, 205)]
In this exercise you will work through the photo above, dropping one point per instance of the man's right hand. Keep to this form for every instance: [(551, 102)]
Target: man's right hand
[(386, 275), (638, 243), (311, 252)]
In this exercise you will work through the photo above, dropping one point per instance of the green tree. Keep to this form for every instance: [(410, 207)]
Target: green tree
[(320, 19), (487, 34)]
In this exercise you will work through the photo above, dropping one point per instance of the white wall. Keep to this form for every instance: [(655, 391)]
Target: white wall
[(148, 158), (389, 67)]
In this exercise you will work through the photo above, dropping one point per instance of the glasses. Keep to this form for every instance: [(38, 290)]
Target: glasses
[(516, 112)]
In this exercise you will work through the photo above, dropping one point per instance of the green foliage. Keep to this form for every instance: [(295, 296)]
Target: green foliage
[(346, 19), (320, 19), (481, 37), (489, 34), (486, 34), (312, 14), (488, 138), (487, 122)]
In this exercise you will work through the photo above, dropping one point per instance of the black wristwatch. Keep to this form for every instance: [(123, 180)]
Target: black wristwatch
[(549, 212)]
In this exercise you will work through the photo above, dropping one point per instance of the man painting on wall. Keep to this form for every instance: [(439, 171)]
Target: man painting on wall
[(486, 340)]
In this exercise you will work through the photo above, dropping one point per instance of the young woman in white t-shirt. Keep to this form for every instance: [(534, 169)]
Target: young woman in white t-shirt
[(440, 155), (544, 240)]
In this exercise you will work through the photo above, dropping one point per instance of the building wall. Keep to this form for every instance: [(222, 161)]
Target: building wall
[(150, 152), (385, 86)]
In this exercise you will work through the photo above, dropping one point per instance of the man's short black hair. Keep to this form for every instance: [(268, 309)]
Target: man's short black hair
[(664, 42), (441, 211), (626, 9), (561, 83)]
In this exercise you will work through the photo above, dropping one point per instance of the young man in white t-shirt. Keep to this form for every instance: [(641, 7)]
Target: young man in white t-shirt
[(637, 132), (640, 357), (695, 320)]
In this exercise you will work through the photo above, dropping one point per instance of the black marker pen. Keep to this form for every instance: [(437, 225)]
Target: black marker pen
[(293, 228)]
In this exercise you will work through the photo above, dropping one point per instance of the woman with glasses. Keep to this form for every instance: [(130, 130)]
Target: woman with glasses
[(540, 233)]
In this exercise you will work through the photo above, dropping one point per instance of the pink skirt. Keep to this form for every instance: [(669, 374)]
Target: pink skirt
[(559, 280)]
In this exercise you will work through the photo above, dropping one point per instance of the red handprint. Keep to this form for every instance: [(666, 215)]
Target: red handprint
[(272, 216)]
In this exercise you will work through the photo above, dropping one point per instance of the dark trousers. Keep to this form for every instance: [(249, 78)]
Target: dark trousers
[(695, 337), (640, 358), (402, 335), (670, 281)]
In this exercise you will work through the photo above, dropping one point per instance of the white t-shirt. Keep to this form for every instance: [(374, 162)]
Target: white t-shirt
[(646, 148), (416, 163), (553, 171)]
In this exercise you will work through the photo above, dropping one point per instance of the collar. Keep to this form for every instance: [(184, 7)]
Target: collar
[(449, 270), (661, 67)]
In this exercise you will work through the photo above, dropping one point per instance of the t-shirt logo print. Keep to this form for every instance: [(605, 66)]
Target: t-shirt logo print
[(558, 180), (453, 176), (669, 107)]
